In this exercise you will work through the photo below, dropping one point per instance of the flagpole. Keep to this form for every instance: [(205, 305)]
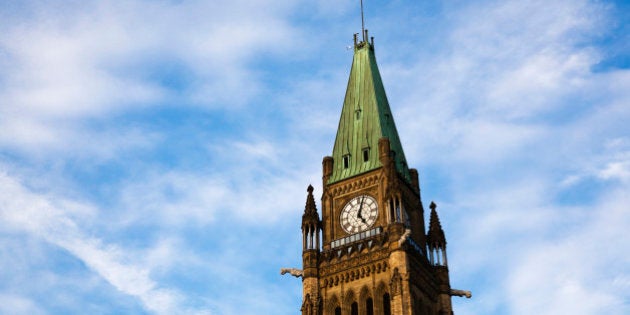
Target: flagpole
[(362, 23)]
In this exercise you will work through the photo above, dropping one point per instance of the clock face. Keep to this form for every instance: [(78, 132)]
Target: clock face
[(359, 214)]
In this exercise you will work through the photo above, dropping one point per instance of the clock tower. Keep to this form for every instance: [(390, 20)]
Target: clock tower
[(370, 253)]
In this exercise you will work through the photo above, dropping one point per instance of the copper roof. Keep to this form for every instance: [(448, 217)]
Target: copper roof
[(365, 118)]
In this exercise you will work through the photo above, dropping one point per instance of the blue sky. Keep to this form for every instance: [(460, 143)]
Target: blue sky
[(154, 155)]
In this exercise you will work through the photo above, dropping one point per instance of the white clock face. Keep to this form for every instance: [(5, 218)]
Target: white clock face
[(359, 214)]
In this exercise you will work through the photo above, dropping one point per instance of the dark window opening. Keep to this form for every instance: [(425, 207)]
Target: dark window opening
[(369, 307), (358, 113), (387, 309), (337, 310), (392, 215), (354, 309), (346, 161), (366, 154)]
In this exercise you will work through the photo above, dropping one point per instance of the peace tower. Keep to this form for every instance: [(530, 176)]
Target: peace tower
[(370, 252)]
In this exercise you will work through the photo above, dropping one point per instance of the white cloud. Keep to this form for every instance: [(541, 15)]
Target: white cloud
[(537, 83), (513, 242), (581, 272), (610, 163), (45, 217), (616, 170), (244, 183), (174, 198), (96, 60), (506, 108), (15, 304), (510, 111)]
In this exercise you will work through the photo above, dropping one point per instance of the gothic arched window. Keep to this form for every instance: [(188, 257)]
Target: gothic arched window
[(354, 309), (369, 306), (387, 308)]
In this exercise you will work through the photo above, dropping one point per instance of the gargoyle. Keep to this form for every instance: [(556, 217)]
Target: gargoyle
[(465, 293), (404, 237), (292, 271)]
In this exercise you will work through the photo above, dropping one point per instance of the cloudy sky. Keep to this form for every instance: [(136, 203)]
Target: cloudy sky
[(154, 155)]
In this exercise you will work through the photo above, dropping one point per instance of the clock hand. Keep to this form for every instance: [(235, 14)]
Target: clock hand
[(359, 214)]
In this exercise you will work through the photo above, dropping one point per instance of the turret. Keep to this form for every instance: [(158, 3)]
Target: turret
[(310, 224), (311, 227), (436, 241)]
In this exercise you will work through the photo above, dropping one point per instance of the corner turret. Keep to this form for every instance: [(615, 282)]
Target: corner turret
[(311, 224), (436, 241)]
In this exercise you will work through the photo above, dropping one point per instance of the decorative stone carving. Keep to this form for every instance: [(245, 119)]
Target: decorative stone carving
[(352, 262), (395, 283), (354, 274), (461, 293), (350, 187), (298, 273), (404, 237)]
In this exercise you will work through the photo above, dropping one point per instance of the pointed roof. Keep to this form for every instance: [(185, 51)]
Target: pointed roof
[(365, 118), (310, 210), (436, 234)]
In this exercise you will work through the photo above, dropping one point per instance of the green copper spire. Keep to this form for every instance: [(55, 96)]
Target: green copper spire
[(365, 118)]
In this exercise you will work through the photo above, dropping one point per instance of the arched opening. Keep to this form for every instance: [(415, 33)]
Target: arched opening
[(333, 306), (387, 308), (392, 215), (381, 290), (369, 307), (354, 309)]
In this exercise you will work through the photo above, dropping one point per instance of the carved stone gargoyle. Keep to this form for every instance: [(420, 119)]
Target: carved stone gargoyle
[(298, 273), (455, 292)]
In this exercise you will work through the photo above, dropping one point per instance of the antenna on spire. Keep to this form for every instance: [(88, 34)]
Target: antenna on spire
[(362, 23)]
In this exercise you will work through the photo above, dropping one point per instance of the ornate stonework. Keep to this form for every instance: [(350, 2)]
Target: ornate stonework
[(348, 187), (371, 257), (395, 283)]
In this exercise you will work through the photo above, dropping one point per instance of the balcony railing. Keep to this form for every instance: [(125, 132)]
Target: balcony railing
[(356, 237)]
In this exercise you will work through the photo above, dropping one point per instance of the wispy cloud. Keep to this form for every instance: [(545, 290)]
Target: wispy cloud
[(164, 148), (580, 272), (530, 137), (69, 63), (56, 222), (18, 305)]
